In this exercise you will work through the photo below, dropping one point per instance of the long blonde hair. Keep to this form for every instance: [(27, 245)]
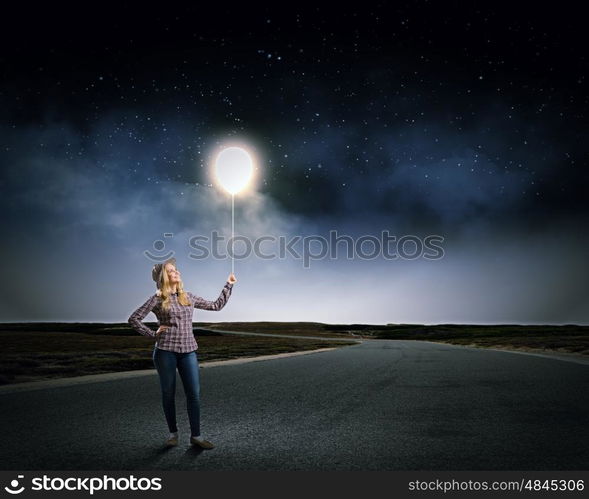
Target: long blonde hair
[(166, 291)]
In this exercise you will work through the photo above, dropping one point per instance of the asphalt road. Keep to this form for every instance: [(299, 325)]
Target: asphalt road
[(379, 405)]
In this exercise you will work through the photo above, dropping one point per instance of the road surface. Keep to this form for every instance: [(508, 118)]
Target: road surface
[(378, 405)]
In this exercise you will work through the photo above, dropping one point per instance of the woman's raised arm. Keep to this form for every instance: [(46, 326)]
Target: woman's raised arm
[(218, 304)]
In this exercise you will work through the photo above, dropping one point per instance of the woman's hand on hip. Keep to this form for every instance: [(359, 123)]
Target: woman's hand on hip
[(161, 329)]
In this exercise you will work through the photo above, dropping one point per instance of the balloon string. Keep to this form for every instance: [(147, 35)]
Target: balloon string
[(232, 230)]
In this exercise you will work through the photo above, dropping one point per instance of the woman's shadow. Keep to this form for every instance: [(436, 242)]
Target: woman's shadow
[(155, 455)]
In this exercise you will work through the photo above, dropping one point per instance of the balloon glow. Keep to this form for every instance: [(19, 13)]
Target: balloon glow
[(234, 168)]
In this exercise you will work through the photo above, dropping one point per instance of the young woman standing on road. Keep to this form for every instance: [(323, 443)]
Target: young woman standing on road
[(175, 346)]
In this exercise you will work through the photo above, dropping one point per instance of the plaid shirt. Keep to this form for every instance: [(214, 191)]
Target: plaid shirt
[(179, 337)]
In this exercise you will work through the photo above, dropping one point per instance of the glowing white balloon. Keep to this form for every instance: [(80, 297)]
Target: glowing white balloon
[(234, 167)]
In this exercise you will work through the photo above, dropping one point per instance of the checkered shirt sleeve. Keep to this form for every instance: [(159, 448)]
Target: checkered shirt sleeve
[(138, 315), (216, 305)]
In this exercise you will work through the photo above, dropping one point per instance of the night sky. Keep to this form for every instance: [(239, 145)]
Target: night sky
[(462, 120)]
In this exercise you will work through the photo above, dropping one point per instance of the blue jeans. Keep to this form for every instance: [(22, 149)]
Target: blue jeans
[(166, 363)]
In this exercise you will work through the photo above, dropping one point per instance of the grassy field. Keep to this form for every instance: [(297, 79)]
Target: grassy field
[(290, 328), (535, 338), (538, 338), (35, 351)]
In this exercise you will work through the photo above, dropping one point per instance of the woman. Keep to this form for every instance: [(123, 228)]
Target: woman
[(175, 346)]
